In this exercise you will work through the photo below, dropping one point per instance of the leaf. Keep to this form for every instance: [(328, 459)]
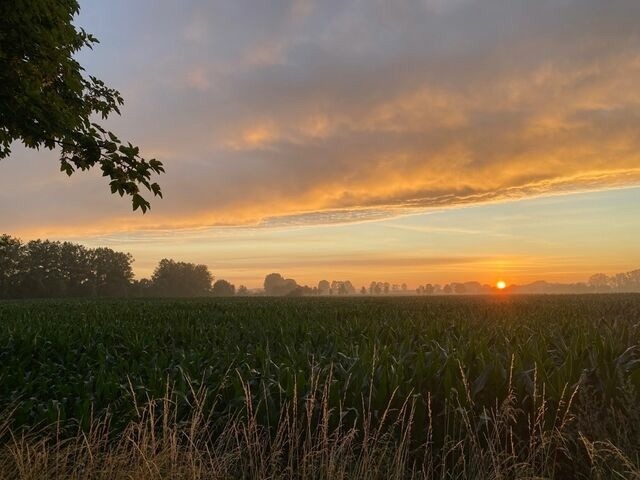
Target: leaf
[(66, 167), (139, 202)]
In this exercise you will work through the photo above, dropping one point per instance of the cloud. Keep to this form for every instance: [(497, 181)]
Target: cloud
[(197, 78), (329, 112)]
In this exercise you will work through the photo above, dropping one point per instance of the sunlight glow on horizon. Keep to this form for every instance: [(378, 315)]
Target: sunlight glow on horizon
[(523, 241)]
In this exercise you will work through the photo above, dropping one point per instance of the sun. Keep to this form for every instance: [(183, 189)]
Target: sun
[(501, 285)]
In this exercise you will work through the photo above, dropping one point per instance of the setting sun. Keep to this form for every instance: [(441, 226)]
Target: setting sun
[(501, 285)]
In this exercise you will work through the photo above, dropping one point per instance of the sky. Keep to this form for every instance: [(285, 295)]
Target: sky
[(405, 141)]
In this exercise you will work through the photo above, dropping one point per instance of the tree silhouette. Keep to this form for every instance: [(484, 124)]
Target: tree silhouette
[(41, 268), (242, 290), (180, 279), (11, 252), (112, 273), (276, 285), (46, 101), (324, 287), (222, 288)]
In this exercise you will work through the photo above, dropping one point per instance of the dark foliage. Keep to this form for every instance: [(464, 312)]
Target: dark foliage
[(46, 101), (180, 279), (222, 288), (276, 285), (41, 268)]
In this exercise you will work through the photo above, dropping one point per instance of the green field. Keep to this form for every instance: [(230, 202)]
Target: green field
[(549, 386)]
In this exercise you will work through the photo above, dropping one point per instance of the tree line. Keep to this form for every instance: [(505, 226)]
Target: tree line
[(43, 268), (626, 282)]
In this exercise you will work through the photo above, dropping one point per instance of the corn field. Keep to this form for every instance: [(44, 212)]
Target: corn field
[(438, 387)]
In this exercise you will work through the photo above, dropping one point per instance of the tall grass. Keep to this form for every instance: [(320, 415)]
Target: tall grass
[(312, 439)]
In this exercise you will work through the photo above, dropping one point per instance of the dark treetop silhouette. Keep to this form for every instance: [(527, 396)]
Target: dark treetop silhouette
[(61, 269), (46, 101), (180, 279), (222, 288)]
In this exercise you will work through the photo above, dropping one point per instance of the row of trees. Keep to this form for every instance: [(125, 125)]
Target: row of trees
[(455, 288), (54, 269), (385, 288), (598, 283), (41, 268), (336, 287), (620, 282), (276, 285)]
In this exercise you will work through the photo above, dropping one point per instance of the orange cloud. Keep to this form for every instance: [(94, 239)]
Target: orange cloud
[(325, 122)]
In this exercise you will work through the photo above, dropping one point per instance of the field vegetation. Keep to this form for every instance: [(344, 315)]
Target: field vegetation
[(412, 387)]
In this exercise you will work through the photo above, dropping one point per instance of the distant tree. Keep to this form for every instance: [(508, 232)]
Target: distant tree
[(141, 288), (600, 282), (385, 288), (633, 279), (338, 287), (41, 268), (112, 272), (46, 101), (459, 288), (363, 291), (627, 281), (42, 272), (349, 289), (447, 289), (342, 287), (276, 285), (76, 264), (403, 287), (475, 288), (618, 281), (300, 291), (222, 288), (10, 260), (273, 283), (242, 291), (180, 279), (429, 289), (323, 287), (11, 252)]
